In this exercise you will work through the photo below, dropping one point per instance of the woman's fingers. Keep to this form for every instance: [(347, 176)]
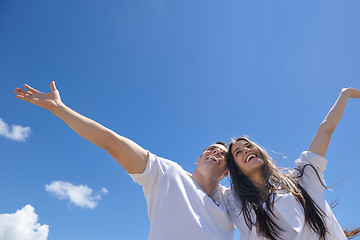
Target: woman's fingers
[(355, 93)]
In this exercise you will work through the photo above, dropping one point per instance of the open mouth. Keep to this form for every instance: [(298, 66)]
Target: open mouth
[(250, 157), (214, 159)]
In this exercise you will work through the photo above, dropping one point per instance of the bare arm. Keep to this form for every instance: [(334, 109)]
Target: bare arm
[(131, 156), (320, 143)]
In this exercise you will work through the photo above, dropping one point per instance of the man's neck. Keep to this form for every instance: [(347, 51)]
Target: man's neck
[(207, 183)]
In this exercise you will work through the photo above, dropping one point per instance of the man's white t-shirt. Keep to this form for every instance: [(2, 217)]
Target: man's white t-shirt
[(288, 211), (178, 208)]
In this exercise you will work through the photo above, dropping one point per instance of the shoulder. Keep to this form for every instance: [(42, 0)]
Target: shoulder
[(227, 197), (157, 166), (221, 191), (309, 173), (307, 157)]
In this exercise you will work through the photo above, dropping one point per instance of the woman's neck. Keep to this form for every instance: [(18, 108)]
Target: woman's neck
[(258, 180)]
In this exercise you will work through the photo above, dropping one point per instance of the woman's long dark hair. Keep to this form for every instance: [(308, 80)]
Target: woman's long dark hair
[(251, 198)]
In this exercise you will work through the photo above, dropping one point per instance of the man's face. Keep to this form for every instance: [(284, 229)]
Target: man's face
[(214, 158)]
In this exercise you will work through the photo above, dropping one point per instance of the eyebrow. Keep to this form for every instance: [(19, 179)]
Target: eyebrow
[(246, 144), (213, 147), (236, 150)]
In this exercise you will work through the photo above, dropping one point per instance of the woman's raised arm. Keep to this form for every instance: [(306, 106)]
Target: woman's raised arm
[(320, 142)]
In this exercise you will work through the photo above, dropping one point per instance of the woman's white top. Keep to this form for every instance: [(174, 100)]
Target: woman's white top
[(289, 212)]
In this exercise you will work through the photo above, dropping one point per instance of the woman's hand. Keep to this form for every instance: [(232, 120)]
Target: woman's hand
[(45, 100), (353, 93)]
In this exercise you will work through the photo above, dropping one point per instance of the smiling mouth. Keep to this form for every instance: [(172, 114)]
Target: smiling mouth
[(250, 157), (214, 159)]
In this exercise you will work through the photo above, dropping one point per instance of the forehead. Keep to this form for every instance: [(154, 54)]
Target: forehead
[(242, 142), (220, 146), (239, 144)]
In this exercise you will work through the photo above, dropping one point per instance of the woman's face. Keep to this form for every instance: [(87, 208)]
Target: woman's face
[(247, 157)]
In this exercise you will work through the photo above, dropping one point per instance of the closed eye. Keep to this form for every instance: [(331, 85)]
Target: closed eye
[(237, 153), (249, 145)]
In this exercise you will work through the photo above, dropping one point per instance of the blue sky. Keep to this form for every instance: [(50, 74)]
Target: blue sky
[(174, 77)]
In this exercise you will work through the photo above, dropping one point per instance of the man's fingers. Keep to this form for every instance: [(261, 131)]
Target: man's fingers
[(19, 90), (22, 92), (52, 86), (23, 97), (31, 89)]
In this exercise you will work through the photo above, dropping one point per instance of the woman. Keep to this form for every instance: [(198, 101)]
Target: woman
[(266, 203)]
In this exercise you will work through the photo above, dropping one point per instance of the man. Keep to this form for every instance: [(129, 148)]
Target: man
[(180, 206)]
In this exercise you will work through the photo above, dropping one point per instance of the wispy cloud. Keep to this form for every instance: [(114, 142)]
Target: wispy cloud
[(22, 225), (81, 195), (16, 132)]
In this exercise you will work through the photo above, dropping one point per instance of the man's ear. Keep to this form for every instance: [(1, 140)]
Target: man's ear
[(226, 173)]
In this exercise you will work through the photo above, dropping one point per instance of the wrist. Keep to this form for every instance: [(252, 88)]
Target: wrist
[(346, 92), (57, 107)]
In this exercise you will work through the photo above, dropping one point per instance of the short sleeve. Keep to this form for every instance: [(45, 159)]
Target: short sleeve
[(313, 166), (155, 168), (307, 157)]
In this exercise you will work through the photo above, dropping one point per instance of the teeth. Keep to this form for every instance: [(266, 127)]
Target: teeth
[(214, 158), (249, 157)]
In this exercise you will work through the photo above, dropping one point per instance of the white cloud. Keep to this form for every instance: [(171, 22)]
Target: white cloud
[(81, 195), (16, 132), (104, 190), (22, 225)]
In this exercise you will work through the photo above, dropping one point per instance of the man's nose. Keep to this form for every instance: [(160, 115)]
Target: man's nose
[(216, 150)]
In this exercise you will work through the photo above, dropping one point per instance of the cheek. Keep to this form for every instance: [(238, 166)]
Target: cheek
[(239, 164)]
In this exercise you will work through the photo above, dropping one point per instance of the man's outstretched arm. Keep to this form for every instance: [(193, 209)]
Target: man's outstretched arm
[(131, 156)]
